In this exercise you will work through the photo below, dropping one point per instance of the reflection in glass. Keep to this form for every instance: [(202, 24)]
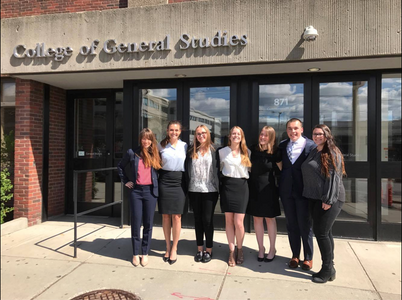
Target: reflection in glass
[(90, 131), (391, 117), (118, 188), (355, 207), (278, 103), (158, 108), (118, 126), (210, 106), (391, 200), (91, 187), (343, 107), (7, 91)]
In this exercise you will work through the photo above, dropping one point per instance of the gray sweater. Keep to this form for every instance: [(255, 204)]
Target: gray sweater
[(318, 186)]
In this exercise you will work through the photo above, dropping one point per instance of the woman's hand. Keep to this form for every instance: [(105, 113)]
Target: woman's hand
[(129, 184), (326, 206)]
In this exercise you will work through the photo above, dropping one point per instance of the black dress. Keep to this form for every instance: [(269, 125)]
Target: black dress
[(264, 195)]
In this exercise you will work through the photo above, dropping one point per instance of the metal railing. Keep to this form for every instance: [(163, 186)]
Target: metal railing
[(75, 198)]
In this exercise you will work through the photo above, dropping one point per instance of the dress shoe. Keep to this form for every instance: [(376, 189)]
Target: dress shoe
[(266, 259), (260, 259), (172, 261), (307, 265), (324, 275), (136, 260), (294, 263), (166, 258), (206, 257), (198, 256), (144, 260)]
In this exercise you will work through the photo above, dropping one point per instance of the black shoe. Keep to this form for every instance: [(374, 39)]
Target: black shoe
[(266, 259), (323, 276), (172, 261), (206, 257), (198, 256), (260, 259)]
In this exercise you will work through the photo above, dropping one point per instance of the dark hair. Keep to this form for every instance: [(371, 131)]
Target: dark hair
[(330, 152), (294, 120), (166, 140)]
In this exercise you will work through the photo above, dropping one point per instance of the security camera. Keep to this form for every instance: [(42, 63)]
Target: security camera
[(310, 34)]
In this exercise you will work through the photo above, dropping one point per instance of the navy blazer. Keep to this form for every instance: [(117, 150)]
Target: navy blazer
[(291, 175), (133, 157)]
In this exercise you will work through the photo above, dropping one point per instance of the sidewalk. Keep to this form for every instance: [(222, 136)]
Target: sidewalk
[(37, 263)]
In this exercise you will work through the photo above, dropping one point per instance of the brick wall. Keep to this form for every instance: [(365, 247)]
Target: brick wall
[(57, 151), (28, 150), (17, 8)]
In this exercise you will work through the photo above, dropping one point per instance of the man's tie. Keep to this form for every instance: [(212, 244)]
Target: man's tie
[(290, 150)]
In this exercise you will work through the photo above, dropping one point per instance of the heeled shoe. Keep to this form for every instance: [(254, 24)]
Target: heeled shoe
[(240, 256), (166, 258), (266, 259), (260, 259), (172, 261), (136, 260), (144, 260), (324, 275), (231, 261)]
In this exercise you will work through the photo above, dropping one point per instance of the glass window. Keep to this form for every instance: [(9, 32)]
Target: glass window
[(343, 107), (7, 118), (391, 200), (90, 127), (391, 117), (7, 90), (278, 103), (118, 126), (91, 187), (210, 106), (355, 207), (158, 108)]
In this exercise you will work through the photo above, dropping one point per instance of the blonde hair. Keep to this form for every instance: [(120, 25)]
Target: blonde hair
[(150, 156), (197, 145), (245, 160), (271, 139)]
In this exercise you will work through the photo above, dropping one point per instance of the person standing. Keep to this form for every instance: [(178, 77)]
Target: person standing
[(144, 162), (171, 194), (264, 195), (234, 165), (294, 152), (202, 179), (322, 175)]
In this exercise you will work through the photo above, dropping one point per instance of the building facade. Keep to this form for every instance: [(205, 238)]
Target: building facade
[(81, 78)]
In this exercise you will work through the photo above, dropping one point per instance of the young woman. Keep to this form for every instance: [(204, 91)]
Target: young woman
[(203, 184), (171, 195), (322, 176), (234, 165), (143, 182), (264, 195)]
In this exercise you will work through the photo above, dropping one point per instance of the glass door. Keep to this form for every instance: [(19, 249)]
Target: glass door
[(93, 144)]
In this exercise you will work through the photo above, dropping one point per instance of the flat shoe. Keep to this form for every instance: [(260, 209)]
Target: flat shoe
[(166, 258), (198, 256), (144, 260), (266, 259), (260, 259), (136, 260), (206, 257), (172, 261), (294, 263)]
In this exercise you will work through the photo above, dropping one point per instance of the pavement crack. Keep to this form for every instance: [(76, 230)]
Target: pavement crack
[(222, 284), (364, 269)]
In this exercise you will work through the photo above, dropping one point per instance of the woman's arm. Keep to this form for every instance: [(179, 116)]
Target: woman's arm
[(333, 183)]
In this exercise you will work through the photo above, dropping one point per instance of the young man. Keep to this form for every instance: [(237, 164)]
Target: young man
[(294, 151)]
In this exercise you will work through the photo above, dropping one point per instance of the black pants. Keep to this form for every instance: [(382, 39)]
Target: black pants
[(142, 205), (323, 220), (203, 207), (298, 224)]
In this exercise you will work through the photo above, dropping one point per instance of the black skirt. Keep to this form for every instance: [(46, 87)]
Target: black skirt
[(171, 195), (234, 195)]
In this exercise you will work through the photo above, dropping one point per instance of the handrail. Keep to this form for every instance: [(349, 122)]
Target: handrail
[(75, 198)]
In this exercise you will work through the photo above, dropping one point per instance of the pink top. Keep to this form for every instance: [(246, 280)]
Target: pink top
[(144, 174)]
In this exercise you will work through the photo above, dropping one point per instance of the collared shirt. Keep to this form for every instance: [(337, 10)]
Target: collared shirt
[(298, 148), (173, 158), (231, 166)]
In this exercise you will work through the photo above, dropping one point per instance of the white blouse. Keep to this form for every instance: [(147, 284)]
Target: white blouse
[(173, 158), (202, 179), (231, 166)]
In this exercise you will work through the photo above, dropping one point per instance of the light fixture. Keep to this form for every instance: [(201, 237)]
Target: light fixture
[(180, 75), (313, 69), (310, 34)]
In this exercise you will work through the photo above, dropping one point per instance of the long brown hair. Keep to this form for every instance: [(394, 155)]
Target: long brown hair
[(271, 140), (150, 156), (245, 160), (197, 145), (166, 140), (330, 152)]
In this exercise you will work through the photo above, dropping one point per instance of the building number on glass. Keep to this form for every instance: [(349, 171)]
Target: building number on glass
[(281, 101)]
